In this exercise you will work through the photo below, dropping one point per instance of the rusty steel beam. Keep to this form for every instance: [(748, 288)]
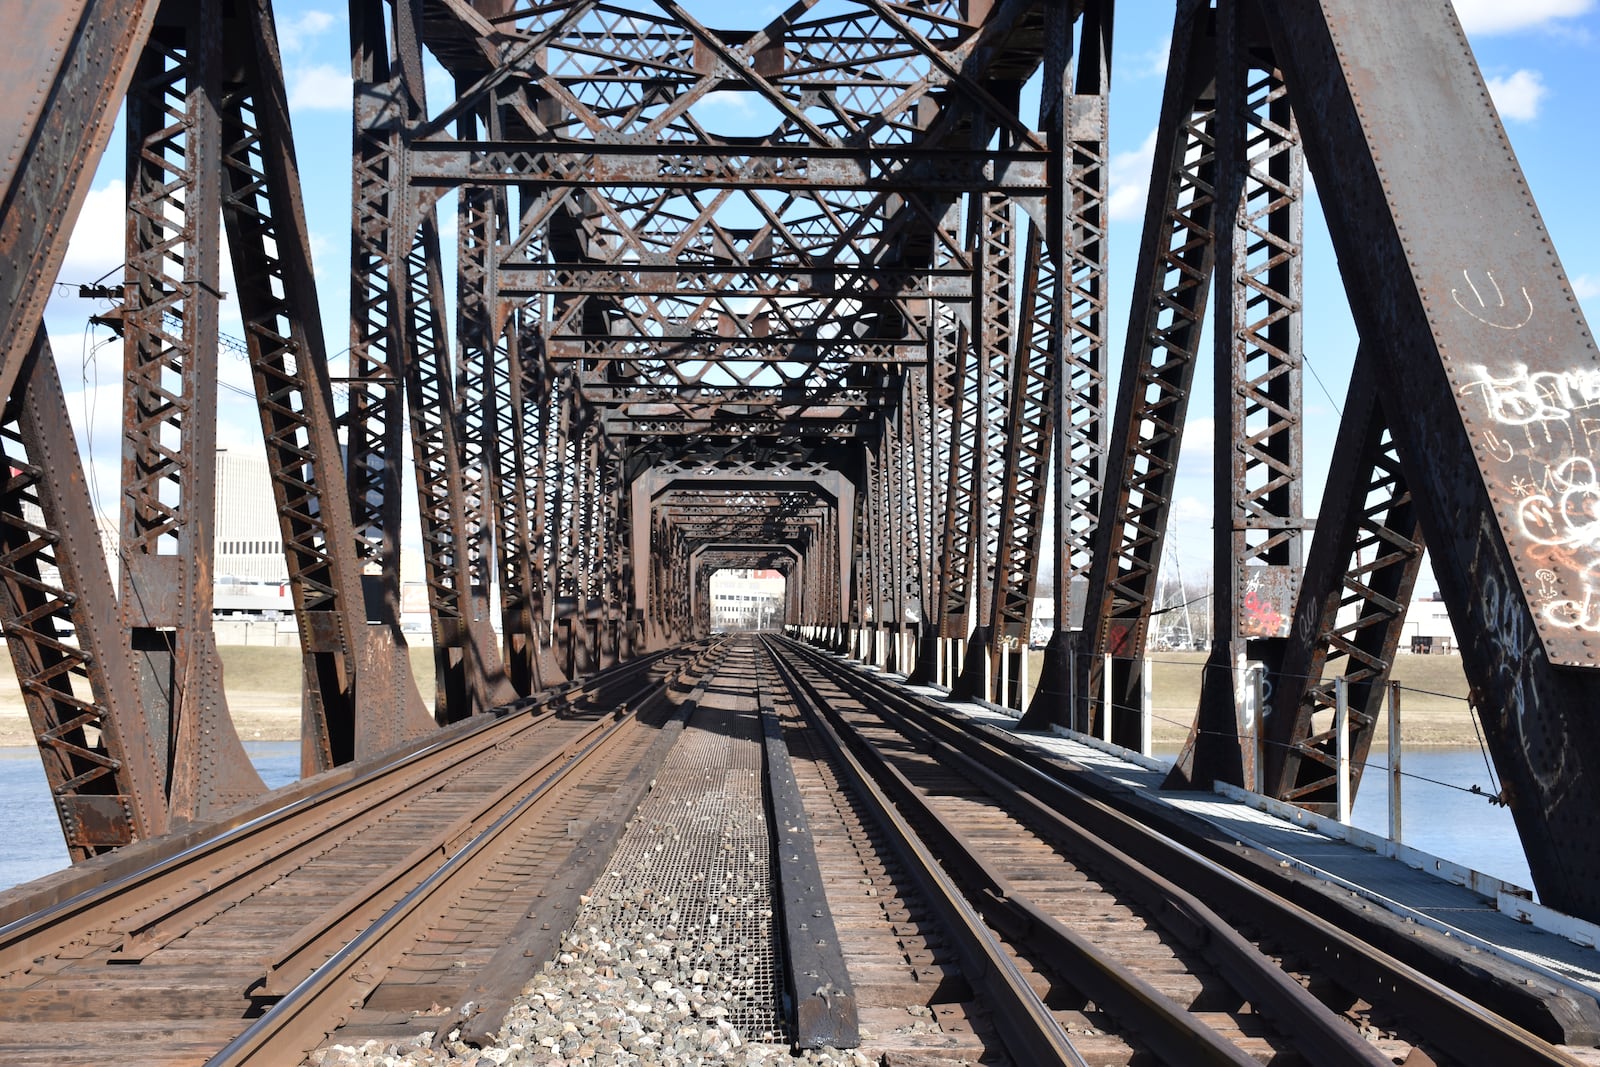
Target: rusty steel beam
[(470, 677), (344, 718), (62, 87), (107, 774), (1467, 318), (169, 330), (1359, 577), (806, 169), (1256, 389), (1172, 283), (992, 378), (797, 281), (1058, 404)]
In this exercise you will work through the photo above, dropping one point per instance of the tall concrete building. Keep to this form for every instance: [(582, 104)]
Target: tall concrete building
[(249, 546)]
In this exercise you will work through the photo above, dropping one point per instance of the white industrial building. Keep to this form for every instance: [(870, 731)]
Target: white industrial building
[(248, 544), (746, 599)]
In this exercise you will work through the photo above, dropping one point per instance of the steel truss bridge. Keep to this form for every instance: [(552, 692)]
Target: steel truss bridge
[(867, 348)]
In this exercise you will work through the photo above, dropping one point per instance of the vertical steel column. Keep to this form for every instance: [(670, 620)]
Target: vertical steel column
[(581, 530), (1172, 281), (518, 393), (903, 534), (1258, 351), (947, 330), (873, 550), (62, 627), (474, 411), (278, 302), (922, 520), (469, 675), (602, 555), (380, 236), (169, 403), (983, 429), (1082, 440), (388, 96), (994, 355), (564, 435), (1058, 393), (960, 506), (1030, 425)]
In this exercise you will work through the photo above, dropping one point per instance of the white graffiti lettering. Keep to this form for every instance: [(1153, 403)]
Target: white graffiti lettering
[(1523, 398), (1498, 449), (1547, 583), (1569, 515), (1575, 615)]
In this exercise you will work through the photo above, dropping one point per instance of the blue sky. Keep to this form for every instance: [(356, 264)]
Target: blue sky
[(1542, 59)]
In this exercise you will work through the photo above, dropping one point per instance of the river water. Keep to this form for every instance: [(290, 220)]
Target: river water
[(1445, 820), (32, 847)]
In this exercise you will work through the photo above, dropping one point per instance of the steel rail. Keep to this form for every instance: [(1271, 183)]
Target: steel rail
[(105, 904), (290, 960), (1162, 1025), (279, 1035), (822, 998), (1319, 1033), (1449, 1021), (1030, 1031), (500, 981)]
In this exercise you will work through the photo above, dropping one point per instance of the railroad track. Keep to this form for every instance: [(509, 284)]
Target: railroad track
[(928, 894), (255, 940), (1072, 922)]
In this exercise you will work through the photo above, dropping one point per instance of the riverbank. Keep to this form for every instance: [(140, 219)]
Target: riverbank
[(263, 687), (1433, 699)]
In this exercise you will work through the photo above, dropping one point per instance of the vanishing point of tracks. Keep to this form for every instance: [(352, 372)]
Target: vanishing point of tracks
[(923, 871)]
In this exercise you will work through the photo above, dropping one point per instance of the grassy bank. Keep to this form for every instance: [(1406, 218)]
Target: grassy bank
[(1433, 697), (276, 670), (263, 687)]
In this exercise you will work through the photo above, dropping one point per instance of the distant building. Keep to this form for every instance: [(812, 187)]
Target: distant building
[(1044, 613), (1427, 628), (248, 544), (746, 599)]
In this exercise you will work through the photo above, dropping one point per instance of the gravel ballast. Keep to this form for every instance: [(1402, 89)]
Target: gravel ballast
[(672, 954)]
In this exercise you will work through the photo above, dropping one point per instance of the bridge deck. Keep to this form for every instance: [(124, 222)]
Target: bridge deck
[(1436, 895), (869, 760)]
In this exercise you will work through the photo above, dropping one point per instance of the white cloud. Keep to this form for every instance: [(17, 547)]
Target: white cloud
[(1199, 437), (1498, 16), (1586, 286), (1130, 180), (728, 101), (322, 87), (97, 237), (1153, 64), (295, 32), (1518, 95)]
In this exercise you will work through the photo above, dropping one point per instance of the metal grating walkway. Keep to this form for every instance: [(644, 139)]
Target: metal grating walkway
[(695, 867)]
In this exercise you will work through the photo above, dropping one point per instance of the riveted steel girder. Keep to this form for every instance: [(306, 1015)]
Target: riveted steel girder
[(858, 332), (169, 331), (1172, 282)]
